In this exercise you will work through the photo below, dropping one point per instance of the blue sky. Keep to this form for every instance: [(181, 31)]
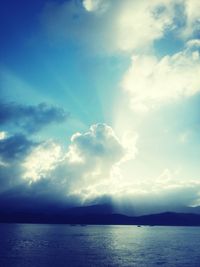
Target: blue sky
[(100, 98)]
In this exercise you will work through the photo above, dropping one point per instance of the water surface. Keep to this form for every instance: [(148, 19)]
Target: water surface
[(41, 245)]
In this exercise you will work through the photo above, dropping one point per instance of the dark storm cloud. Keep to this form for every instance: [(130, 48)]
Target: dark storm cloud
[(30, 118), (15, 147), (40, 196), (17, 192)]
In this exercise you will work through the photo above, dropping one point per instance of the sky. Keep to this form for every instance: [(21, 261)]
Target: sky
[(100, 103)]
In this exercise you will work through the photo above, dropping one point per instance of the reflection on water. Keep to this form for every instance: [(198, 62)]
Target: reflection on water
[(38, 245)]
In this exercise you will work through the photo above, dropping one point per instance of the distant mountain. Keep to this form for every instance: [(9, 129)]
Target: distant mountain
[(87, 216), (93, 209), (149, 208), (190, 210), (171, 219)]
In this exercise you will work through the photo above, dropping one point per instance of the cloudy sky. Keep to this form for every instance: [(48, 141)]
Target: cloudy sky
[(100, 102)]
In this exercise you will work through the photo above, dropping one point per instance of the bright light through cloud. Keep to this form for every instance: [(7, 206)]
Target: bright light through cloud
[(109, 106), (41, 161)]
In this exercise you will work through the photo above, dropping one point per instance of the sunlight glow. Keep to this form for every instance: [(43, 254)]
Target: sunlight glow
[(41, 161)]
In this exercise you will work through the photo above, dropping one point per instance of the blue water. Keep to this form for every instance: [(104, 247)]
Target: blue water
[(36, 245)]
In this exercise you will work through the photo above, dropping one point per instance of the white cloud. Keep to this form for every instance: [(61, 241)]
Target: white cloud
[(92, 159), (121, 26), (3, 135), (92, 166), (96, 5), (139, 23), (151, 81), (110, 25), (100, 142), (41, 161), (192, 14), (91, 5), (53, 175), (193, 43)]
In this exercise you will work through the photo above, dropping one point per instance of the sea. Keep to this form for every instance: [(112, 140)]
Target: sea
[(52, 245)]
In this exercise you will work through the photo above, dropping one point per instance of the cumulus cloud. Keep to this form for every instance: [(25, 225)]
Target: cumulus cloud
[(100, 142), (151, 81), (90, 160), (29, 117), (40, 175), (47, 171)]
